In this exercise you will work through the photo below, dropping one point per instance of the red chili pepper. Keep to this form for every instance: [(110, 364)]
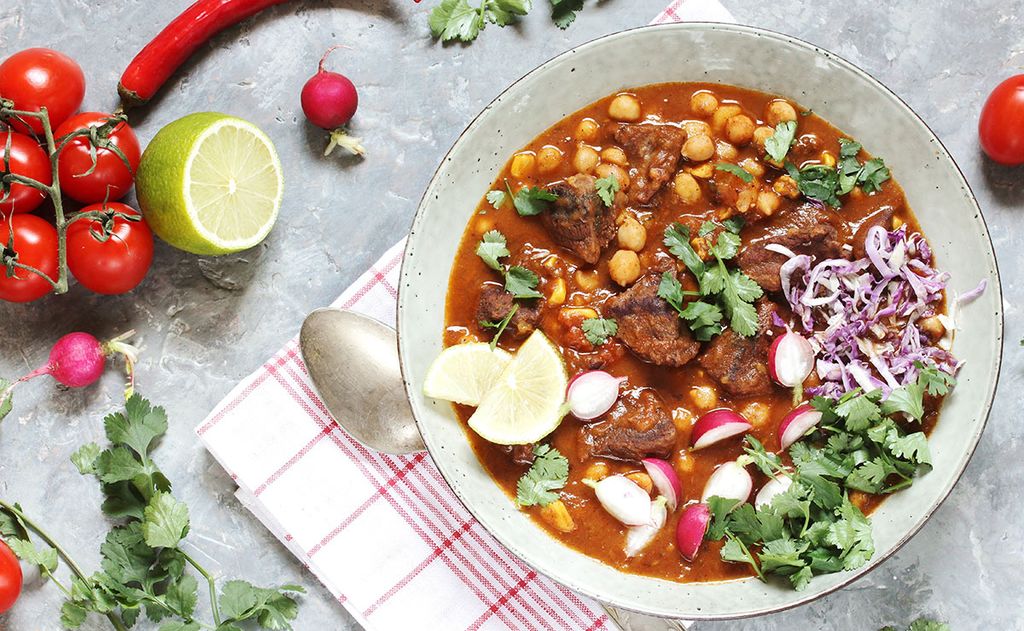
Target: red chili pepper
[(161, 57)]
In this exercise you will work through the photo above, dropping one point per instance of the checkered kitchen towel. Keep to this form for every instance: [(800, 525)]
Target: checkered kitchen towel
[(383, 533)]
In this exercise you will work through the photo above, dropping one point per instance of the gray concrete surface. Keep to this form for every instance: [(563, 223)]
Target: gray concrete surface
[(206, 323)]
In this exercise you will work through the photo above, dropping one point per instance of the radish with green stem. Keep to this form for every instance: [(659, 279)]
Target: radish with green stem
[(329, 101), (77, 360)]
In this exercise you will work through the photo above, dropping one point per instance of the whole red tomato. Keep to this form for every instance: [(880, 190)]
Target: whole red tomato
[(10, 578), (35, 245), (28, 159), (40, 77), (118, 264), (1001, 127), (110, 178)]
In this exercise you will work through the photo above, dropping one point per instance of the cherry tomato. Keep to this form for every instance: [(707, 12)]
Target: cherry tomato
[(114, 266), (28, 159), (1001, 127), (10, 578), (35, 244), (40, 77), (111, 178)]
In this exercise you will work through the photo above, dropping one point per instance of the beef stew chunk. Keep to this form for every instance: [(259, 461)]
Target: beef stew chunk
[(819, 239), (649, 326), (740, 364), (495, 303), (654, 150), (579, 220), (637, 427)]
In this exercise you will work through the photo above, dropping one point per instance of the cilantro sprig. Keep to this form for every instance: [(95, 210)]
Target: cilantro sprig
[(547, 475), (826, 184), (519, 281), (724, 293), (530, 201), (453, 20), (599, 330), (777, 145), (607, 187), (143, 565)]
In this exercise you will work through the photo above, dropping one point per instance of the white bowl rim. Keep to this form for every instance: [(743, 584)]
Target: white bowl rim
[(875, 560)]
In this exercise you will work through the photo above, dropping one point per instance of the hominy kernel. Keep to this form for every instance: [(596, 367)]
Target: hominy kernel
[(523, 164)]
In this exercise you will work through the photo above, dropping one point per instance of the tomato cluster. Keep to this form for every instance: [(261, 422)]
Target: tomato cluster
[(97, 157)]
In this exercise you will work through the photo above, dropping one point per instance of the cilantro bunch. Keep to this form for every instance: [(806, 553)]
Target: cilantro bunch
[(826, 184), (457, 20), (813, 527), (143, 569), (723, 293)]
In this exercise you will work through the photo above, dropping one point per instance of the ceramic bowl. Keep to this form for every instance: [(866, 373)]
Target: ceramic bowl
[(838, 91)]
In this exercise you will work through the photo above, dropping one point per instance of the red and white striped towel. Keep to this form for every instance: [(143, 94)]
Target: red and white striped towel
[(383, 533)]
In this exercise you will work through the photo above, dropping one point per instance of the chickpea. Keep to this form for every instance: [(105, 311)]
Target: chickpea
[(687, 188), (696, 128), (585, 160), (684, 463), (704, 397), (625, 107), (704, 171), (723, 114), (767, 203), (642, 480), (745, 200), (587, 130), (757, 414), (857, 192), (587, 280), (762, 134), (682, 418), (753, 167), (523, 164), (698, 148), (548, 158), (726, 151), (632, 235), (614, 155), (739, 129), (597, 471), (605, 170), (787, 187), (828, 159), (484, 223), (933, 327), (624, 267), (780, 111), (703, 103)]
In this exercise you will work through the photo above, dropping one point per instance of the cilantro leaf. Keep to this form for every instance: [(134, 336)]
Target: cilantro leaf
[(848, 148), (504, 12), (859, 412), (704, 318), (816, 181), (46, 559), (873, 174), (768, 463), (522, 283), (598, 330), (563, 12), (6, 399), (496, 199), (138, 426), (738, 171), (607, 187), (912, 447), (492, 247), (727, 245), (677, 240), (548, 473), (777, 145), (455, 20), (85, 458), (165, 522), (671, 290), (934, 380), (924, 624), (532, 201), (500, 326)]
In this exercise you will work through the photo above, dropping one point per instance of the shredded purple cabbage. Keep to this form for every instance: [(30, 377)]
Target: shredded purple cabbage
[(863, 315)]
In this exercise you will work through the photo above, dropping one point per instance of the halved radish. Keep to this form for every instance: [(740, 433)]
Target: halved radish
[(693, 525), (665, 479), (776, 486), (790, 359), (729, 481), (797, 423), (623, 498), (592, 393), (715, 426), (638, 537)]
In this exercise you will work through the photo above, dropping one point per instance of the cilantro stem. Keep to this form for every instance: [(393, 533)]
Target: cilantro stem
[(210, 581), (50, 541), (746, 552)]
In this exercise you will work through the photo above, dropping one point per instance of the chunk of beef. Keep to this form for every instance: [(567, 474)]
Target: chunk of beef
[(740, 364), (881, 217), (649, 326), (806, 147), (654, 150), (522, 454), (804, 230), (730, 190), (579, 220), (495, 303), (637, 427)]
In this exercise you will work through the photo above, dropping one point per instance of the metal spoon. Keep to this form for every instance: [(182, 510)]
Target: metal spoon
[(353, 362)]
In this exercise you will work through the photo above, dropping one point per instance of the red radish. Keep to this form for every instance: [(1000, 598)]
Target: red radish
[(77, 360), (693, 525), (623, 498), (665, 479), (790, 359), (776, 486), (638, 537), (592, 393), (796, 424), (729, 481), (715, 426), (329, 101)]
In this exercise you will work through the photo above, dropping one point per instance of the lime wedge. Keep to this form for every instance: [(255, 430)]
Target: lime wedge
[(525, 404), (465, 372), (210, 184)]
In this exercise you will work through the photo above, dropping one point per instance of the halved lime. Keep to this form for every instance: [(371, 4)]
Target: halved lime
[(525, 404), (465, 372), (210, 183)]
